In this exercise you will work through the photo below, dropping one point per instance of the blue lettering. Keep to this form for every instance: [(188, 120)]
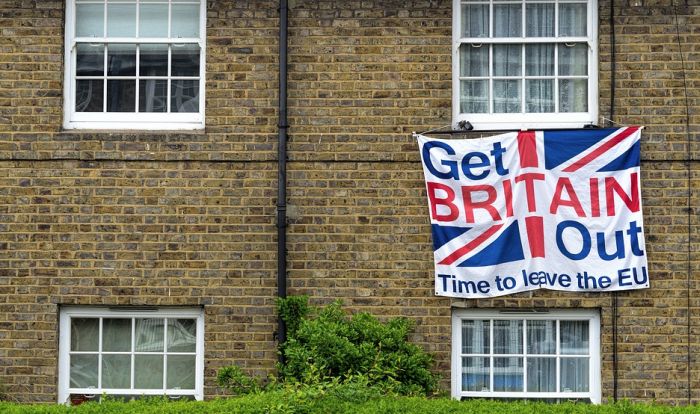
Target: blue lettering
[(585, 238), (452, 165), (619, 246), (622, 275), (467, 165)]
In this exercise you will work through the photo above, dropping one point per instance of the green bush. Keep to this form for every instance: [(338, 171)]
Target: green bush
[(333, 345), (339, 398), (236, 381)]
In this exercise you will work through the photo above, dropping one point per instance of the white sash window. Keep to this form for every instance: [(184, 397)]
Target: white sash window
[(130, 353), (134, 64), (552, 355), (525, 63)]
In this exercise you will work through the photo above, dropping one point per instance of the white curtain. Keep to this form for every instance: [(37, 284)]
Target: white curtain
[(475, 20), (574, 341), (507, 20), (475, 340), (508, 371), (507, 61), (541, 374), (540, 20), (542, 340), (574, 374), (572, 19), (573, 93)]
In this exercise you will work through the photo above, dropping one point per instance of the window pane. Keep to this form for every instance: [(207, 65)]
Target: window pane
[(121, 60), (149, 335), (153, 95), (474, 96), (181, 371), (573, 60), (153, 60), (506, 96), (475, 20), (539, 60), (574, 374), (148, 371), (475, 373), (185, 20), (116, 335), (475, 337), (121, 20), (185, 60), (574, 337), (85, 334), (507, 60), (182, 335), (508, 337), (153, 20), (572, 19), (541, 374), (539, 95), (573, 95), (89, 20), (540, 20), (90, 60), (507, 20), (121, 95), (508, 374), (89, 95), (184, 96), (83, 371), (541, 337), (116, 371), (474, 61)]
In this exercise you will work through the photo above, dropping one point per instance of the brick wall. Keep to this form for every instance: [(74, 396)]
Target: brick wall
[(188, 218)]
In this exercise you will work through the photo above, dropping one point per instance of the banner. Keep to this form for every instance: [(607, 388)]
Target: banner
[(558, 210)]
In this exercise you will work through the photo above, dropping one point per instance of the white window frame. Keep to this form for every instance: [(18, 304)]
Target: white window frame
[(522, 121), (69, 312), (594, 375), (128, 120)]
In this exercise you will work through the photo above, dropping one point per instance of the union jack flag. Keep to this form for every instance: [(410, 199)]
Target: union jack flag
[(506, 214)]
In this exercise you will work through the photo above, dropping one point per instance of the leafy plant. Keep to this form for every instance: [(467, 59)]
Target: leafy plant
[(293, 309), (236, 381), (334, 345)]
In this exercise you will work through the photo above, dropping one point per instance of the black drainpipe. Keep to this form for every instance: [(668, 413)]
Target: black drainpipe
[(612, 116), (282, 171)]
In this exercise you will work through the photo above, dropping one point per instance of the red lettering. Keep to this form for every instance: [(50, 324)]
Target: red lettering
[(631, 200), (529, 179), (447, 201), (508, 194), (470, 205), (595, 201), (573, 202)]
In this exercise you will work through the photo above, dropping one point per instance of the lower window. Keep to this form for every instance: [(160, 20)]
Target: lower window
[(127, 353), (549, 355)]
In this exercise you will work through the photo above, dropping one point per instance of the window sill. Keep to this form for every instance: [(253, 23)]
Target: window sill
[(514, 122), (133, 127)]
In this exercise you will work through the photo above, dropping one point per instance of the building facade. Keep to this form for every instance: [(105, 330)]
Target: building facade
[(139, 184)]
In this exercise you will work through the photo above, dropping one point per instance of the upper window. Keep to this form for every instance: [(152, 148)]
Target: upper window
[(545, 355), (130, 353), (134, 64), (525, 63)]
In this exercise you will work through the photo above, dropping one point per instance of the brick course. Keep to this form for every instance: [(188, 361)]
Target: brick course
[(164, 218)]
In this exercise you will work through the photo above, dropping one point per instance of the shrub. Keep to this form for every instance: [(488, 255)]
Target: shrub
[(338, 398), (335, 346), (236, 381)]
